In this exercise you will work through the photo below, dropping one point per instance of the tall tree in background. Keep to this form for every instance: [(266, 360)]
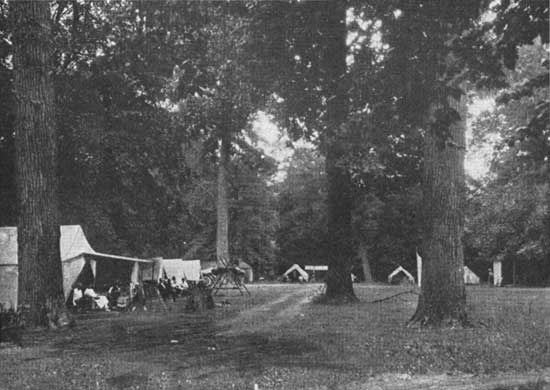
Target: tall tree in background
[(222, 203), (443, 295), (302, 51), (40, 277), (229, 98), (339, 202), (427, 69), (459, 51)]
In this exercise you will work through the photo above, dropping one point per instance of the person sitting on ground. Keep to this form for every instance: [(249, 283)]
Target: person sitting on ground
[(172, 288), (100, 301), (183, 287), (113, 293), (184, 284), (77, 294), (164, 283), (176, 287), (165, 289), (138, 297)]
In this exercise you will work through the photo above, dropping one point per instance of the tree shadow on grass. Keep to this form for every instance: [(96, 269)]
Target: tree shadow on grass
[(194, 343)]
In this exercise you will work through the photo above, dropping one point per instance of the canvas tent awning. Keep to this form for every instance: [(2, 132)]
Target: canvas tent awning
[(297, 268), (76, 255)]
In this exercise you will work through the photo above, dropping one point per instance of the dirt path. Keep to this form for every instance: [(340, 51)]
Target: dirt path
[(272, 314)]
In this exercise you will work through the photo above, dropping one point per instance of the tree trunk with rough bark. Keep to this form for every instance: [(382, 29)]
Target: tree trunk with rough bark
[(339, 286), (40, 275), (222, 207), (443, 297)]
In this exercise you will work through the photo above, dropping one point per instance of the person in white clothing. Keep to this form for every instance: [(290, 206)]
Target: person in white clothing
[(101, 301), (77, 295)]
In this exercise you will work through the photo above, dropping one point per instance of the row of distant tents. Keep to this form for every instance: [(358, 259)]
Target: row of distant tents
[(81, 263), (398, 275)]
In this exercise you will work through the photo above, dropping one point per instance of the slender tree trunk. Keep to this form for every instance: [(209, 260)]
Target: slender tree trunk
[(222, 208), (40, 273), (364, 256), (443, 297), (338, 281)]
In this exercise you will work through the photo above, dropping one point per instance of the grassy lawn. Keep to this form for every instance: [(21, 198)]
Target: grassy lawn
[(277, 339)]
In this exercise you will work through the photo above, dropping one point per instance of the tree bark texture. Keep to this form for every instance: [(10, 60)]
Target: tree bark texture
[(222, 208), (339, 286), (40, 273), (443, 298)]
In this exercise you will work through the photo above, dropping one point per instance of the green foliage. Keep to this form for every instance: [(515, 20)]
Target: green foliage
[(509, 212), (145, 90), (140, 88), (302, 233), (110, 81), (388, 223), (253, 210)]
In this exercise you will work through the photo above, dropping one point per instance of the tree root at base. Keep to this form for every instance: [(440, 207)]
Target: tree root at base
[(423, 320)]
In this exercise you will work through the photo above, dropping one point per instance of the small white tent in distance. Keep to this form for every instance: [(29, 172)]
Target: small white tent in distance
[(470, 277), (298, 271), (400, 275)]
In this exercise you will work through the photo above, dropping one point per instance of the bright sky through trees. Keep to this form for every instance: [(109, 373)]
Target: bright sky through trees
[(478, 158), (275, 143)]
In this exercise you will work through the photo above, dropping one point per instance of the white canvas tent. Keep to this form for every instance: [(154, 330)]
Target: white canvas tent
[(190, 269), (299, 270), (75, 252), (470, 277), (178, 268), (398, 271)]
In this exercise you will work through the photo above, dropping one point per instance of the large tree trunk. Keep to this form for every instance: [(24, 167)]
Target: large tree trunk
[(222, 208), (340, 247), (443, 297), (40, 275)]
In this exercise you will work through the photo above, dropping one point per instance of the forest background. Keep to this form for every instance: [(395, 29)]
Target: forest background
[(143, 91)]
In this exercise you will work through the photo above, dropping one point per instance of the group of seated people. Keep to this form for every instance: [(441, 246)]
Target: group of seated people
[(171, 288), (85, 297), (117, 297)]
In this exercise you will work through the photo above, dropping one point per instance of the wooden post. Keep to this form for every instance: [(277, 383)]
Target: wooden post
[(418, 269)]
